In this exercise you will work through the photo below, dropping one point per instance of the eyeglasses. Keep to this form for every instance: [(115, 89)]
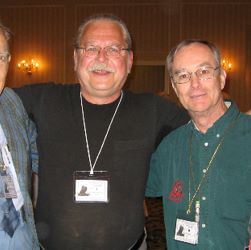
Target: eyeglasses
[(4, 57), (204, 73), (110, 51)]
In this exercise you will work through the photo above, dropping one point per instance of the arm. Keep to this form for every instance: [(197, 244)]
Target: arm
[(169, 117), (32, 135), (31, 96), (154, 182)]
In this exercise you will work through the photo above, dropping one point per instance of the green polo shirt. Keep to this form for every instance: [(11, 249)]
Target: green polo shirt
[(225, 193)]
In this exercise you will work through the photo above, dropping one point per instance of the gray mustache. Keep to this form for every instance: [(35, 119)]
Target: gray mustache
[(101, 66)]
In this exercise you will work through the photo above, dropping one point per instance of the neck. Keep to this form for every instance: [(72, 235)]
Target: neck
[(205, 120), (100, 100)]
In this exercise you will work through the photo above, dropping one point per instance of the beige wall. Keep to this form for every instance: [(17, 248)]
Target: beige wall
[(44, 29)]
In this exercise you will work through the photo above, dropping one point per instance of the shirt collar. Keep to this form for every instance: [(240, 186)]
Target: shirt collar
[(220, 125)]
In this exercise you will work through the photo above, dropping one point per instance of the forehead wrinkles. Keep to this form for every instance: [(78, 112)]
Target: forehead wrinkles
[(104, 32), (193, 56)]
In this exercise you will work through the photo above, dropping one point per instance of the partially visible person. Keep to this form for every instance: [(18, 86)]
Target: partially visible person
[(97, 137), (226, 97), (203, 169), (17, 229), (248, 112)]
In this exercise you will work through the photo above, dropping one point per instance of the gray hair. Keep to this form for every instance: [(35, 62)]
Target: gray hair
[(103, 17), (211, 46), (6, 33)]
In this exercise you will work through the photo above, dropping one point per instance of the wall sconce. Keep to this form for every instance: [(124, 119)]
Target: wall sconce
[(226, 64), (28, 67)]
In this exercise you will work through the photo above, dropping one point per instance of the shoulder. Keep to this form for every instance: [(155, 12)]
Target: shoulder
[(245, 123), (46, 87), (171, 145), (9, 94), (46, 92), (177, 136), (245, 117), (10, 98), (11, 103)]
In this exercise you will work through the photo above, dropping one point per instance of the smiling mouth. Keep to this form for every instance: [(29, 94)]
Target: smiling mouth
[(197, 96), (101, 68), (101, 72)]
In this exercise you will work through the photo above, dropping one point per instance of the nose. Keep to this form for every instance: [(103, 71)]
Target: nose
[(101, 55), (194, 81)]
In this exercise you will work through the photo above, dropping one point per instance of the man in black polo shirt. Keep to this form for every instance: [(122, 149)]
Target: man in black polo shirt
[(95, 137)]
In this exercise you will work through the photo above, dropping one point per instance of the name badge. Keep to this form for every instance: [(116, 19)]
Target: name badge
[(187, 231), (7, 186), (91, 187)]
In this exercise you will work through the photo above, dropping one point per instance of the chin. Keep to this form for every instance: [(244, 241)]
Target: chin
[(197, 108)]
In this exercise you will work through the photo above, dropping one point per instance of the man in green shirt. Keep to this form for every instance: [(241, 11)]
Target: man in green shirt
[(203, 169)]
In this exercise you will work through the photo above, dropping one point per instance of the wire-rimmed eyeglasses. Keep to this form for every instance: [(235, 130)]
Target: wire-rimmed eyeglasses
[(110, 51), (203, 73), (4, 57)]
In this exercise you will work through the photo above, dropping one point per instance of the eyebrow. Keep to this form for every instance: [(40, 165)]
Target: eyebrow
[(204, 64), (94, 43)]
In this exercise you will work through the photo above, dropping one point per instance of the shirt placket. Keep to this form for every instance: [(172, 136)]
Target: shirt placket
[(205, 148)]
